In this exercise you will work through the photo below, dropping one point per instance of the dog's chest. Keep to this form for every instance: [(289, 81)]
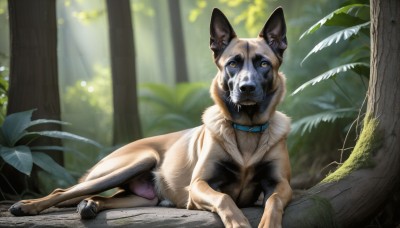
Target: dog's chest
[(247, 143), (243, 184)]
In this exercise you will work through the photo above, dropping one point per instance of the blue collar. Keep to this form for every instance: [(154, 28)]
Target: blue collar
[(252, 129)]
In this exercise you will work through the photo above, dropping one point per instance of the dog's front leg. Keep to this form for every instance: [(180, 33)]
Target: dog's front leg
[(203, 197), (274, 206)]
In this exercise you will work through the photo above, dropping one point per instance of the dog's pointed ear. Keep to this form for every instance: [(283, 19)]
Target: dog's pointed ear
[(221, 32), (274, 32)]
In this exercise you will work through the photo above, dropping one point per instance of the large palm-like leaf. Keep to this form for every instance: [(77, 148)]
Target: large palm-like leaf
[(76, 153), (14, 132), (45, 162), (20, 157), (330, 73), (335, 15), (15, 125), (61, 135), (343, 34)]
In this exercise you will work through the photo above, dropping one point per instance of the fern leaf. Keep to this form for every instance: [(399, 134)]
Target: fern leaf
[(329, 74), (158, 94), (331, 16), (336, 37), (309, 122)]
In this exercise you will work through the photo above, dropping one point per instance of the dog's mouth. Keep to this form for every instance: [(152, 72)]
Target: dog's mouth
[(246, 99), (248, 103)]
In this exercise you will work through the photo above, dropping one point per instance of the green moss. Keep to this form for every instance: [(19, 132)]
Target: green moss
[(361, 157)]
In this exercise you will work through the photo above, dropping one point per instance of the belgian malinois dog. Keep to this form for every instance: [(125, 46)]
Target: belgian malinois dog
[(238, 155)]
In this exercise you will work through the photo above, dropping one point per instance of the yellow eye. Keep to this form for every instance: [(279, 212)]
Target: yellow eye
[(264, 64), (233, 64)]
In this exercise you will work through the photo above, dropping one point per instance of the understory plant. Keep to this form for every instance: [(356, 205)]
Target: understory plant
[(351, 23), (167, 108), (16, 147)]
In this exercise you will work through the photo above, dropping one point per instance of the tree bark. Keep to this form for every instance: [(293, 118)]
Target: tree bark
[(162, 53), (126, 115), (181, 72), (33, 68), (352, 199)]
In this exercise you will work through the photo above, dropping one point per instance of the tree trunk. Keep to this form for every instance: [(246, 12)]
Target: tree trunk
[(181, 72), (160, 16), (126, 115), (353, 194), (33, 68)]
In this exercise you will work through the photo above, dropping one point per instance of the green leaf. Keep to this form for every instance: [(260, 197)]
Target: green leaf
[(45, 162), (197, 102), (173, 120), (344, 20), (20, 157), (331, 16), (192, 95), (336, 37), (59, 148), (63, 135), (170, 121), (3, 140), (330, 73), (14, 126), (186, 90), (46, 121), (158, 94), (309, 122)]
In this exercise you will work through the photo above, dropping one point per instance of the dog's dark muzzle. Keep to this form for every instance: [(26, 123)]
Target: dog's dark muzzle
[(247, 93), (247, 87)]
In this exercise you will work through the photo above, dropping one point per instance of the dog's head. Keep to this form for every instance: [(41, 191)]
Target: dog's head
[(248, 85)]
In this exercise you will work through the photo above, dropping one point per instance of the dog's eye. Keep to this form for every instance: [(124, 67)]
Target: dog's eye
[(233, 64), (264, 64)]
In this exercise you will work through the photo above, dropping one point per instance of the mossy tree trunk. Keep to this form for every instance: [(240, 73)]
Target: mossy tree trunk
[(357, 191), (125, 103)]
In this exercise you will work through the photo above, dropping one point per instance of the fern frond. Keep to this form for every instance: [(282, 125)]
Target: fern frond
[(331, 16), (336, 37), (309, 122), (328, 74)]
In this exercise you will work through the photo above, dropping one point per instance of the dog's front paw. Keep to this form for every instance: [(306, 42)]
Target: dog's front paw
[(270, 223), (23, 208), (236, 222), (87, 209), (273, 211), (234, 218)]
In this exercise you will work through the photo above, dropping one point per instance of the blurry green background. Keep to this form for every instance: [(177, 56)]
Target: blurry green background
[(322, 114)]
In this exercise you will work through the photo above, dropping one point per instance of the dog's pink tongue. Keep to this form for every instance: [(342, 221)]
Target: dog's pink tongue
[(143, 189)]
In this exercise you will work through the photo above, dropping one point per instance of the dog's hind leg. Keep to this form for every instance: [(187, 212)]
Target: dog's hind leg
[(131, 166), (89, 207), (71, 202)]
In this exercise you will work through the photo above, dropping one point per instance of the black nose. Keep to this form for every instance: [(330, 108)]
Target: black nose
[(247, 87)]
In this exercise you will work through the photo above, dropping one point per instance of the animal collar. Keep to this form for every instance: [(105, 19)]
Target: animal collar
[(252, 129)]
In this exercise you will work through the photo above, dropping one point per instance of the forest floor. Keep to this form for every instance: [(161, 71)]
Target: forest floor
[(129, 217)]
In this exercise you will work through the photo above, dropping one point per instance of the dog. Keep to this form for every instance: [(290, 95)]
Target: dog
[(236, 156)]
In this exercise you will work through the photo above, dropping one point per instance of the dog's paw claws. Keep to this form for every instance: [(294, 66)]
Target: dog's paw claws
[(87, 209)]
